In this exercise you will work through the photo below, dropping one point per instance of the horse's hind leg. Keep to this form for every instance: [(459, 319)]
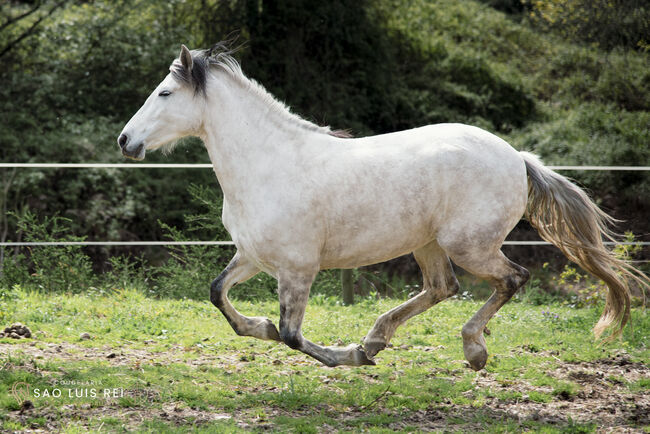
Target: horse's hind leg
[(506, 276), (439, 284), (239, 270)]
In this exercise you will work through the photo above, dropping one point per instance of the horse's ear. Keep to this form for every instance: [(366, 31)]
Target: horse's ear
[(186, 58)]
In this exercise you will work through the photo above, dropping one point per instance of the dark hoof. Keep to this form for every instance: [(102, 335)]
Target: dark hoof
[(478, 365), (476, 355)]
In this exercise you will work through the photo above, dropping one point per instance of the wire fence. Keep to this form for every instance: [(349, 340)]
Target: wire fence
[(209, 166), (230, 243)]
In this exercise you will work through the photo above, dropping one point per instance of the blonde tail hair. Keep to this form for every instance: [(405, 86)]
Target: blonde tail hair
[(564, 215)]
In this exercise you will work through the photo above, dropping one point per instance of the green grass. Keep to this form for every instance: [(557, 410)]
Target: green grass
[(183, 353)]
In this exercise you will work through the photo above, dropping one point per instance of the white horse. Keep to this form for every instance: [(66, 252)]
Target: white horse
[(299, 198)]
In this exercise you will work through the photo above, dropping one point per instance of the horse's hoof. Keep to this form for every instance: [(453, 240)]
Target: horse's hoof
[(361, 358), (476, 354), (478, 363), (265, 329), (373, 347)]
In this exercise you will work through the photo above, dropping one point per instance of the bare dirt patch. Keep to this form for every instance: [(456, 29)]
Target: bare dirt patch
[(603, 396), (90, 418), (65, 351)]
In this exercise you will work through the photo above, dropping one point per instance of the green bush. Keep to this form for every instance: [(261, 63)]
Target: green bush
[(583, 74), (48, 268), (507, 6), (606, 23), (595, 134)]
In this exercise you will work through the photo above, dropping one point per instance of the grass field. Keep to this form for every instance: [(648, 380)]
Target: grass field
[(176, 366)]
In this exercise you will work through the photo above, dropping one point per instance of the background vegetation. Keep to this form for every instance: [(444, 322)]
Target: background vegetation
[(569, 80)]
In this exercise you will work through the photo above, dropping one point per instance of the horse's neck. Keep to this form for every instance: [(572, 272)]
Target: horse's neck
[(247, 136)]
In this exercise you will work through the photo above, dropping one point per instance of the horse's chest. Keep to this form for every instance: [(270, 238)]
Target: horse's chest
[(269, 228)]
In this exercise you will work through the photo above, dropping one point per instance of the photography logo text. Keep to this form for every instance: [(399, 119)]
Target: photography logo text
[(22, 391)]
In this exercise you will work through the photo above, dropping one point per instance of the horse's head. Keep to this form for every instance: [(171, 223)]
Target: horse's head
[(171, 112)]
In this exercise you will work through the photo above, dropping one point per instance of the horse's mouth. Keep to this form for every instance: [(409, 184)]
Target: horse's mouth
[(134, 154)]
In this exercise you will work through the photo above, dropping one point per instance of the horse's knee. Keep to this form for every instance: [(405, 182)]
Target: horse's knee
[(523, 275), (439, 291)]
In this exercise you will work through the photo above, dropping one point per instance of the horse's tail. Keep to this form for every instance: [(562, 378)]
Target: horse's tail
[(564, 215)]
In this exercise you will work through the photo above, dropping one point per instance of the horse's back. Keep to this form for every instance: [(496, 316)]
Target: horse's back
[(396, 192), (440, 139), (443, 159)]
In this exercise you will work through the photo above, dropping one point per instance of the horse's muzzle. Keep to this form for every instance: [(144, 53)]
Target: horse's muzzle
[(136, 152), (130, 150)]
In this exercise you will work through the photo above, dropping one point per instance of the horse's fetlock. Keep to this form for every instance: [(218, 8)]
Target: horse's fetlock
[(453, 287), (216, 290), (469, 331), (292, 338)]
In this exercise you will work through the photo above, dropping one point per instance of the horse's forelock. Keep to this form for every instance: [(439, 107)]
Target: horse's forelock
[(219, 54), (197, 77)]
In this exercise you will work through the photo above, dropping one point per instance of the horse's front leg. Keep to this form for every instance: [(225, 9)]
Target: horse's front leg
[(240, 270), (294, 294)]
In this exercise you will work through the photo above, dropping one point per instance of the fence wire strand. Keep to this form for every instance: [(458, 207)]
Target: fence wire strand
[(230, 243)]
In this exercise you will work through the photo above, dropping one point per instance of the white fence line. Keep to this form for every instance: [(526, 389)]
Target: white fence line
[(105, 166), (230, 243), (603, 168), (118, 243), (209, 166)]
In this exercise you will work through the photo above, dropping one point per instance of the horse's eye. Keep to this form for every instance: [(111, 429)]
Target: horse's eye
[(164, 93)]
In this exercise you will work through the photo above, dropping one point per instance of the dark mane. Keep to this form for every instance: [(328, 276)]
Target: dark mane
[(220, 54), (341, 134)]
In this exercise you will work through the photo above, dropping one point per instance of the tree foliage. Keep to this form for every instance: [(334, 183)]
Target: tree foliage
[(74, 71), (607, 23)]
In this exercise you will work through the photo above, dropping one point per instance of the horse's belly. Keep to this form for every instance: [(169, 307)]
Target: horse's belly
[(377, 239), (352, 258)]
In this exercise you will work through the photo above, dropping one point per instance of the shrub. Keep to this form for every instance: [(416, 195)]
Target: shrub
[(594, 134), (48, 268), (607, 23)]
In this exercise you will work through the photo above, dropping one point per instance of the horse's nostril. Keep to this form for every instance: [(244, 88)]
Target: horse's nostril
[(122, 140)]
